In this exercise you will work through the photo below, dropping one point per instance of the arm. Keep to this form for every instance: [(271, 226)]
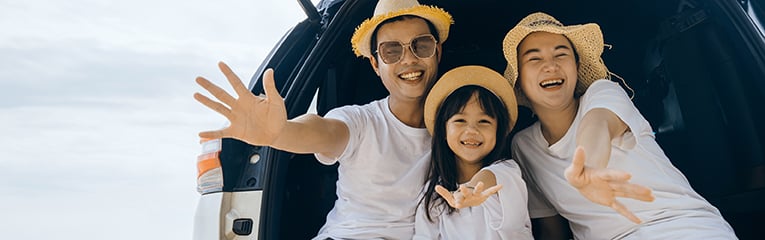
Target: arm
[(588, 173), (485, 177), (555, 227), (311, 133), (596, 139), (262, 120)]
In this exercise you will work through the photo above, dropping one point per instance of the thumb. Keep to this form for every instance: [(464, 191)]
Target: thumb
[(212, 134), (577, 165), (446, 195), (269, 85)]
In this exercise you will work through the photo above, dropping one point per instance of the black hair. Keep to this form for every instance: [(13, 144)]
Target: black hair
[(573, 48), (442, 169), (518, 64), (373, 42)]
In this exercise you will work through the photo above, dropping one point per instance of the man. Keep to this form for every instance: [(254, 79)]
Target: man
[(382, 147)]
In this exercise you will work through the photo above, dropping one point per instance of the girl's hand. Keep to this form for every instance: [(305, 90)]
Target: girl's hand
[(467, 196)]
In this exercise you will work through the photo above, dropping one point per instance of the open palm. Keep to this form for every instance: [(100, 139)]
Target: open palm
[(256, 120), (466, 197), (602, 185)]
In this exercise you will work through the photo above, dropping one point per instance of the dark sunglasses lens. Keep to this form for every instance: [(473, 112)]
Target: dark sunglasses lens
[(424, 47), (390, 52)]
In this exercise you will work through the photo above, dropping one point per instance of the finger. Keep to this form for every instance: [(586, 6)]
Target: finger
[(459, 199), (269, 86), (492, 190), (621, 209), (234, 80), (466, 192), (216, 106), (216, 91), (479, 187), (446, 195), (613, 175), (644, 198), (575, 170), (213, 134), (459, 196), (633, 191)]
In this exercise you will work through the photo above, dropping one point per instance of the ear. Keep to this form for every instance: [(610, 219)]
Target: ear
[(373, 61)]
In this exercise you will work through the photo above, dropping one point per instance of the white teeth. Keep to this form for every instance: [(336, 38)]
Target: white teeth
[(411, 75), (471, 143), (549, 83)]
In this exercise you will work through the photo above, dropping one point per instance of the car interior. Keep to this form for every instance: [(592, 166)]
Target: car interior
[(696, 79)]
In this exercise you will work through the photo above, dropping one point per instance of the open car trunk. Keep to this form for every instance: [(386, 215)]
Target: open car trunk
[(697, 68)]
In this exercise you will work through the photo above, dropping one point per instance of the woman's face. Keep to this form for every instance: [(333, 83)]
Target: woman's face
[(548, 70)]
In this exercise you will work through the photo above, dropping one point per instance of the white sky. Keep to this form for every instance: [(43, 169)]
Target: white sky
[(98, 127)]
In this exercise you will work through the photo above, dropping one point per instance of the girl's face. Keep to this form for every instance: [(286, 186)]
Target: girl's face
[(548, 71), (471, 133)]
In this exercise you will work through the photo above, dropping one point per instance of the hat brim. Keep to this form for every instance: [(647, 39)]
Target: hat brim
[(362, 37), (465, 76), (587, 40)]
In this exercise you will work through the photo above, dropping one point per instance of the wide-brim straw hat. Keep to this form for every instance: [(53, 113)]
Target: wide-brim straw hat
[(387, 9), (587, 40), (465, 76)]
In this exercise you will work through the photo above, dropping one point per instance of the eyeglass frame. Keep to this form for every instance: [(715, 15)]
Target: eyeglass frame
[(435, 47)]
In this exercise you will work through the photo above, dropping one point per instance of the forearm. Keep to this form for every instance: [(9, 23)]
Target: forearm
[(311, 133), (597, 129), (486, 177)]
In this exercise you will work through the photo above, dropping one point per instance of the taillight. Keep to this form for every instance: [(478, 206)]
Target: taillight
[(209, 172)]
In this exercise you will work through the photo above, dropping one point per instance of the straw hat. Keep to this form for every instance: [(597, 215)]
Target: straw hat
[(387, 9), (587, 40), (470, 75)]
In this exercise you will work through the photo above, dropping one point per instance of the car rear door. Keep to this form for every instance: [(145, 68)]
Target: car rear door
[(236, 211)]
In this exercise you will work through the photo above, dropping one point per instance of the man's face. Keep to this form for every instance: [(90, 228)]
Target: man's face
[(548, 70), (411, 77)]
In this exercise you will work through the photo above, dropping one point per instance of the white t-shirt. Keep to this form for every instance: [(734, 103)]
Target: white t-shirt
[(502, 216), (676, 205), (380, 175)]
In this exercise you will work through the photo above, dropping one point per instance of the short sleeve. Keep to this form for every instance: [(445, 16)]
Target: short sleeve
[(512, 198)]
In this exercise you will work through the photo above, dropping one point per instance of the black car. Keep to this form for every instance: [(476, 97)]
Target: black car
[(697, 68)]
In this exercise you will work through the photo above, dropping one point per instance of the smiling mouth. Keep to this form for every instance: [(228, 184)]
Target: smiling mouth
[(411, 76), (551, 83), (471, 143)]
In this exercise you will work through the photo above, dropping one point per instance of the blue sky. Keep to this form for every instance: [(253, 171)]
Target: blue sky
[(98, 127)]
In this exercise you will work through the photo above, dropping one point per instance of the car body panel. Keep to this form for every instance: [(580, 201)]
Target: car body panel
[(697, 68)]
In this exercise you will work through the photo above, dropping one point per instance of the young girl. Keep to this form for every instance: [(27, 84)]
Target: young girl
[(470, 112)]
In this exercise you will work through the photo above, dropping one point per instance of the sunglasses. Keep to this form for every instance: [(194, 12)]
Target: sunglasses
[(423, 46)]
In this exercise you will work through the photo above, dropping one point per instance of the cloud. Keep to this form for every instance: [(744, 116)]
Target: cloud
[(99, 126), (58, 52)]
